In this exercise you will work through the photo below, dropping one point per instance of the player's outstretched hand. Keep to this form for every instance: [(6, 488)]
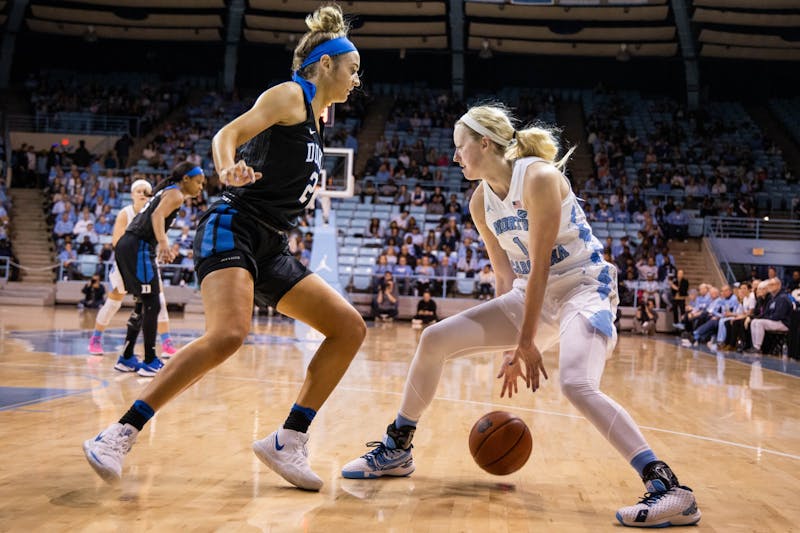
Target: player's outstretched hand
[(511, 369), (239, 175)]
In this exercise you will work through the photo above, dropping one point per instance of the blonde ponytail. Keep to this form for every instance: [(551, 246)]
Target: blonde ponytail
[(540, 142), (324, 24), (497, 121)]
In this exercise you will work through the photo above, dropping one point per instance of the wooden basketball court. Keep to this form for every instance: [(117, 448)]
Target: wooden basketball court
[(729, 429)]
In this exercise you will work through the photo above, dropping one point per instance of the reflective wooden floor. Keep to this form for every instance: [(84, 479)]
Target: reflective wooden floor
[(730, 430)]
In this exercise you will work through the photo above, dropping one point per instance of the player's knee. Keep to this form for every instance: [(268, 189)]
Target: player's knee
[(433, 341), (229, 340), (577, 390), (349, 326)]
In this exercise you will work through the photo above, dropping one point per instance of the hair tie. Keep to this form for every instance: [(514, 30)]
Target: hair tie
[(514, 136)]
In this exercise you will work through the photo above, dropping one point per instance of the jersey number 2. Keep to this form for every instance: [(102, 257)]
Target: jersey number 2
[(309, 190)]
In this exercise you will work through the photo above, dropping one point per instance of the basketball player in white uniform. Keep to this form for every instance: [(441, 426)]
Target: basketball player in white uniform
[(140, 192), (553, 286)]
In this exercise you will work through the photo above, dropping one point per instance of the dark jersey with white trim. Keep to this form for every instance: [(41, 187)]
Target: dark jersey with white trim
[(142, 224), (290, 159)]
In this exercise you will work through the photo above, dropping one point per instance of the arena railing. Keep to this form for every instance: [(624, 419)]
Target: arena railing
[(752, 228), (76, 122)]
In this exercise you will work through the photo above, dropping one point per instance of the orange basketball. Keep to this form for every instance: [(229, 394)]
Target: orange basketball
[(500, 442)]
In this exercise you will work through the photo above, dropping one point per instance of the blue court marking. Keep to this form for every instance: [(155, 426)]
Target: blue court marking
[(12, 397), (16, 397), (75, 342), (788, 366)]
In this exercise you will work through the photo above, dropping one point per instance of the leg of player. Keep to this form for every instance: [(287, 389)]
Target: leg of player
[(104, 316), (317, 304), (228, 305), (582, 359), (488, 327)]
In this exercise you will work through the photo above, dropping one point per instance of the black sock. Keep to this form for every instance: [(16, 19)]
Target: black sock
[(299, 418), (150, 309), (137, 415)]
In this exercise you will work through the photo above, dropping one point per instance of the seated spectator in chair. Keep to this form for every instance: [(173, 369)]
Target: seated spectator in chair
[(94, 294), (426, 310), (677, 224), (63, 227), (403, 272), (103, 227), (424, 272), (644, 322), (775, 317), (69, 260), (185, 240), (85, 246), (385, 304), (725, 305), (651, 289), (730, 331), (486, 281), (696, 314)]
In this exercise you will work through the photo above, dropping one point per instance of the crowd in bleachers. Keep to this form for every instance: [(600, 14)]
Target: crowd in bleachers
[(711, 161), (70, 98), (658, 169)]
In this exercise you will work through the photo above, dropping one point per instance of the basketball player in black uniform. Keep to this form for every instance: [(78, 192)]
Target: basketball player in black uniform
[(135, 260), (241, 253)]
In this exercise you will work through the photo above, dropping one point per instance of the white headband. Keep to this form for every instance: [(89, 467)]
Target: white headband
[(477, 127), (142, 183)]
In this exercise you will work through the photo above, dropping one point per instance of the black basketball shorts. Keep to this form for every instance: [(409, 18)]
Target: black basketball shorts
[(227, 238)]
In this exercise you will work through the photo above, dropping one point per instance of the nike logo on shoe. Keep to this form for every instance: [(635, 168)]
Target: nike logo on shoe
[(278, 445)]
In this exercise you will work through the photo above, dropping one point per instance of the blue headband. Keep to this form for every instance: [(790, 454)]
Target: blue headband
[(334, 47), (194, 172)]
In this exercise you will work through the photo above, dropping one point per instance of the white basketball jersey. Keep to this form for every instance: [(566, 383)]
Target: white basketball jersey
[(575, 248), (128, 210)]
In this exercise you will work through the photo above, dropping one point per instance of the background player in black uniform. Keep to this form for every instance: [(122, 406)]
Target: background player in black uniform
[(241, 252), (135, 258)]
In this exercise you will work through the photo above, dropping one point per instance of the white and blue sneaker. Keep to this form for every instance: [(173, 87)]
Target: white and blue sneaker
[(285, 452), (382, 460), (673, 507), (390, 457), (148, 370), (106, 451), (127, 364), (667, 503)]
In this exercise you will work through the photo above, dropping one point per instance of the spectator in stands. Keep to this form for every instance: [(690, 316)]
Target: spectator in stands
[(102, 226), (486, 281), (426, 310), (403, 273), (69, 262), (418, 197), (775, 317), (724, 305), (696, 313), (445, 273), (386, 302), (794, 281), (747, 301), (468, 263), (651, 289), (375, 228), (424, 272), (677, 224), (679, 290), (63, 228), (402, 197), (645, 319), (436, 202), (82, 157), (94, 294), (647, 267), (185, 239)]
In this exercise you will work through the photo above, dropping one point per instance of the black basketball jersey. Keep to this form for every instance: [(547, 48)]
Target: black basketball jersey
[(290, 159), (142, 225)]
